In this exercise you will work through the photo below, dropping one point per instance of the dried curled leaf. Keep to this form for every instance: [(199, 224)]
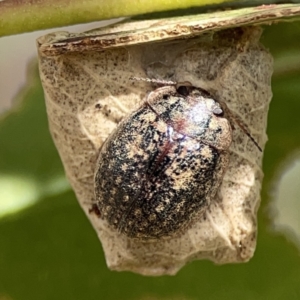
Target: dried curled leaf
[(88, 91)]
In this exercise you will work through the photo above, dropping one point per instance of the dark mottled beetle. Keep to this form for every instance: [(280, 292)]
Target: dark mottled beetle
[(163, 164)]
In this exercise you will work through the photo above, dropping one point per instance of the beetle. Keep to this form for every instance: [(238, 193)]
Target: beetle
[(164, 163)]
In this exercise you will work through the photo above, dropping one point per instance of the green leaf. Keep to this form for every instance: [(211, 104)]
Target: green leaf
[(30, 167)]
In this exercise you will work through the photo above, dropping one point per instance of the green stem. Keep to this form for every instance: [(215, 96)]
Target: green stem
[(30, 15)]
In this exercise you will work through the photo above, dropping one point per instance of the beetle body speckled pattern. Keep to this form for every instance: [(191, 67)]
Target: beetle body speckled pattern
[(162, 166)]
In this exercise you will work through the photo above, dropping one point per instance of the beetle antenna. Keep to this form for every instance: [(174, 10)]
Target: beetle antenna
[(240, 123), (157, 81)]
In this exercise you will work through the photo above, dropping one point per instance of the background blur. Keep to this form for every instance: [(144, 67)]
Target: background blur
[(48, 249)]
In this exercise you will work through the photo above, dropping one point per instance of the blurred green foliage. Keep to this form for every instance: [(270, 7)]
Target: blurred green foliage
[(50, 251)]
